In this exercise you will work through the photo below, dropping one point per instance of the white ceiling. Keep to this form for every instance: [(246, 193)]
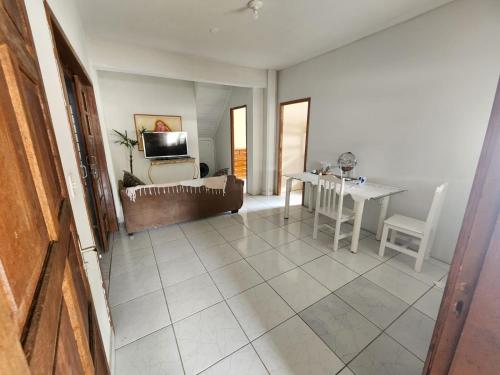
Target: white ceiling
[(287, 31), (211, 103)]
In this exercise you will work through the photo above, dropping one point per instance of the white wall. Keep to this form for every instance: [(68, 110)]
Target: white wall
[(123, 95), (127, 58), (207, 153), (412, 102), (239, 96)]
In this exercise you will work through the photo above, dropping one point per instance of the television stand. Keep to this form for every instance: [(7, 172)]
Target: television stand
[(179, 160)]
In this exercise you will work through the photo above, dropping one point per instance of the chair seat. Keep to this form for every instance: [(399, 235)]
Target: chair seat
[(407, 223), (347, 214)]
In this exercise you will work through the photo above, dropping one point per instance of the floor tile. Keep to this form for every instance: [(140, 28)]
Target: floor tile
[(323, 242), (155, 354), (243, 217), (139, 317), (299, 252), (301, 213), (207, 337), (375, 303), (293, 348), (299, 229), (217, 256), (328, 272), (397, 282), (358, 262), (279, 219), (345, 371), (221, 221), (244, 362), (413, 330), (180, 269), (384, 356), (270, 264), (205, 239), (127, 261), (124, 242), (277, 237), (260, 225), (343, 329), (432, 270), (371, 246), (191, 296), (133, 284), (251, 245), (235, 278), (270, 211), (430, 302), (235, 232), (165, 234), (298, 289), (198, 226), (168, 251), (259, 309)]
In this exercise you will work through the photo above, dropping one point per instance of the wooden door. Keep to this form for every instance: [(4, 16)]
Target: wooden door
[(45, 300), (101, 187), (466, 337), (238, 151)]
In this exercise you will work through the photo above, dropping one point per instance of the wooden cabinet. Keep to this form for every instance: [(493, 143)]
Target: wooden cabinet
[(47, 320)]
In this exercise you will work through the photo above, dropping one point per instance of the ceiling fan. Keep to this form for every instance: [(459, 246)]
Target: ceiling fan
[(252, 5)]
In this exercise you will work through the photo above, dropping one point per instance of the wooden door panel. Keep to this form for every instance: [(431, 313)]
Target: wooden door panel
[(24, 232), (41, 331), (16, 15), (31, 120), (67, 361), (95, 160), (78, 315)]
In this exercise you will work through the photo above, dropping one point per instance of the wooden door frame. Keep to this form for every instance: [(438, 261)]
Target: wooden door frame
[(280, 140), (231, 125), (476, 255), (74, 66)]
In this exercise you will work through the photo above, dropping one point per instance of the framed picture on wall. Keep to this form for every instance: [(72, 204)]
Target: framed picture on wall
[(155, 123)]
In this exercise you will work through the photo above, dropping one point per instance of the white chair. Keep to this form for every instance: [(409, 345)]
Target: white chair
[(422, 232), (330, 203)]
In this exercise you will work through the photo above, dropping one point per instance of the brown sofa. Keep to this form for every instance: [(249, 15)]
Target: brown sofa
[(151, 211)]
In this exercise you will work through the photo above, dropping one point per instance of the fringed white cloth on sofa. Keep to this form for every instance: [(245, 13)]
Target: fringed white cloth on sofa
[(213, 185)]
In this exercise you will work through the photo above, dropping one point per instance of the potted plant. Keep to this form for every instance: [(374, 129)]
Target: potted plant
[(130, 143)]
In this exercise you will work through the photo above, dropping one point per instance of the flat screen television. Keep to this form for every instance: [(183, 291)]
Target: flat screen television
[(165, 145)]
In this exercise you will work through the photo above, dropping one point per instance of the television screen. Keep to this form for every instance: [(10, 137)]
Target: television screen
[(159, 145)]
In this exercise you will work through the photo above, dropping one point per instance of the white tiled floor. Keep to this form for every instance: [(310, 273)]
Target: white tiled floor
[(253, 293)]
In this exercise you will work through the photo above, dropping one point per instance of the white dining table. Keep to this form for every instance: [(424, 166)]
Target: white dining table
[(360, 193)]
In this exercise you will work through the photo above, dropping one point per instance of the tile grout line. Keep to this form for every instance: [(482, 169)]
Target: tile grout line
[(168, 309), (227, 305)]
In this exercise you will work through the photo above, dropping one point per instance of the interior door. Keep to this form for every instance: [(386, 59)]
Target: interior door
[(44, 301), (96, 162), (466, 338)]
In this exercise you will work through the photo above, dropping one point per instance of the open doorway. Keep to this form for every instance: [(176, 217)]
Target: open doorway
[(239, 142), (292, 149)]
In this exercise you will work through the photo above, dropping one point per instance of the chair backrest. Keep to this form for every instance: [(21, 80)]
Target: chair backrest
[(435, 210), (330, 196)]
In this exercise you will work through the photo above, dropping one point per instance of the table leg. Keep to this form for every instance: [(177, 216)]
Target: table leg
[(287, 196), (384, 205), (310, 197), (358, 209)]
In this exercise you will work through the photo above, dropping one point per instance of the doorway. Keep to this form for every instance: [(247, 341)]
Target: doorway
[(239, 142), (87, 139), (293, 135)]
